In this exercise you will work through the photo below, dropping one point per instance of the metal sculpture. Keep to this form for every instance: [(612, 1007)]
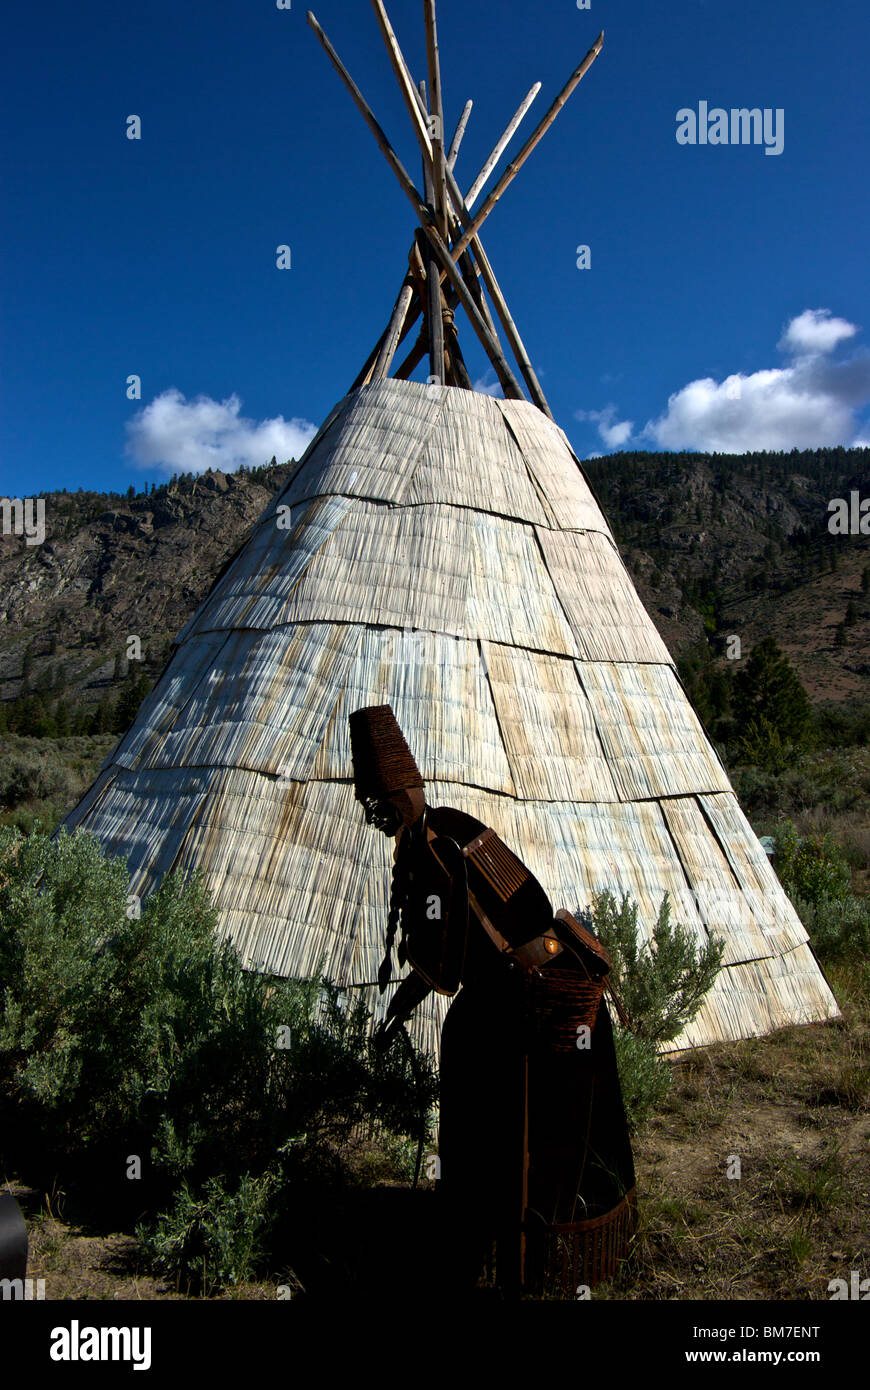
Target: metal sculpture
[(535, 1160), (13, 1239)]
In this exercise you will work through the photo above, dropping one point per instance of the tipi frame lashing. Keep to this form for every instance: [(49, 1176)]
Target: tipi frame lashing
[(453, 250), (408, 307)]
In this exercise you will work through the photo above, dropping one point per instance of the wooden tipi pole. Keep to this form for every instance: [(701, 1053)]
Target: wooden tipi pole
[(417, 112), (435, 322), (393, 335), (500, 146), (509, 383), (436, 118), (537, 135), (459, 133)]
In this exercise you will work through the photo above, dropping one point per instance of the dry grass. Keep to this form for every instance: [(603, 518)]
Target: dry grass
[(795, 1109), (79, 1265)]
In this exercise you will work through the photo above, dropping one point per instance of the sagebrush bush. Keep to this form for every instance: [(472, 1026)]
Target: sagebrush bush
[(33, 773), (144, 1035), (645, 1077), (839, 928), (810, 867), (212, 1240), (662, 983)]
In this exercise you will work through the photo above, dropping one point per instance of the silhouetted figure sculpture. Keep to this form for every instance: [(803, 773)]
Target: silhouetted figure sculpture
[(535, 1160), (13, 1239)]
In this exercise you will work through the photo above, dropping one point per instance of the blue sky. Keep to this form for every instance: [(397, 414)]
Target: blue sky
[(726, 305)]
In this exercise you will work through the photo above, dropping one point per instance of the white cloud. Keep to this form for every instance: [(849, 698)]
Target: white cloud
[(808, 404), (614, 432), (175, 435), (487, 387), (815, 331)]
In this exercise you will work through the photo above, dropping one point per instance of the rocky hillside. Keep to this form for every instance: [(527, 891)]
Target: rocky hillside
[(738, 545), (717, 545), (112, 567)]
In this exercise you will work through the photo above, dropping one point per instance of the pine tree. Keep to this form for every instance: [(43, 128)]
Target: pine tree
[(101, 720), (770, 705), (132, 694)]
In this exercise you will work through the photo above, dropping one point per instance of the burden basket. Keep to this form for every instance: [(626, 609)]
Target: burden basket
[(584, 1252), (561, 1002)]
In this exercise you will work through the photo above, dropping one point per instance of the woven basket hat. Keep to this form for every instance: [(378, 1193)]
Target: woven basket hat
[(382, 761)]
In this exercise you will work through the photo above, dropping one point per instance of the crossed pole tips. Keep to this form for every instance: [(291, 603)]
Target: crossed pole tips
[(447, 264)]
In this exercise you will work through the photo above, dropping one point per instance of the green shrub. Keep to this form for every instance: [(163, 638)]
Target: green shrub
[(839, 928), (842, 726), (123, 1035), (42, 778), (764, 745), (35, 773), (212, 1240), (645, 1077), (661, 984), (812, 868)]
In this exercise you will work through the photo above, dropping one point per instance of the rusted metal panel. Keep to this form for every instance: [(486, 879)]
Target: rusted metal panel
[(653, 739), (425, 1025)]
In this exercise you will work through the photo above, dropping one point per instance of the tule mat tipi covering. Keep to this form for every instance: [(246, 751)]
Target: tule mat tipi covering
[(442, 553)]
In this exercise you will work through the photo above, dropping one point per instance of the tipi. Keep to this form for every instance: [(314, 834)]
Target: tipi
[(440, 550)]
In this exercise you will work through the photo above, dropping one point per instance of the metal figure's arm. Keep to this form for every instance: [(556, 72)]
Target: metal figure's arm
[(411, 992)]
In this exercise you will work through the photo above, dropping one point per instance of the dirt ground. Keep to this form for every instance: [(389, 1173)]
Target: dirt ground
[(794, 1109)]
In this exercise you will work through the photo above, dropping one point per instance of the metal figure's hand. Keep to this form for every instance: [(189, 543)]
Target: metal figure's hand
[(384, 1034)]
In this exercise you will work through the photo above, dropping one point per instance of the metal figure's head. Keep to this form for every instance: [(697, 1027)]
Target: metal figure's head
[(386, 777), (383, 817), (392, 814)]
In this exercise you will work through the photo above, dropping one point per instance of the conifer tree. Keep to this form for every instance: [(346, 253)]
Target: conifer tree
[(770, 705)]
